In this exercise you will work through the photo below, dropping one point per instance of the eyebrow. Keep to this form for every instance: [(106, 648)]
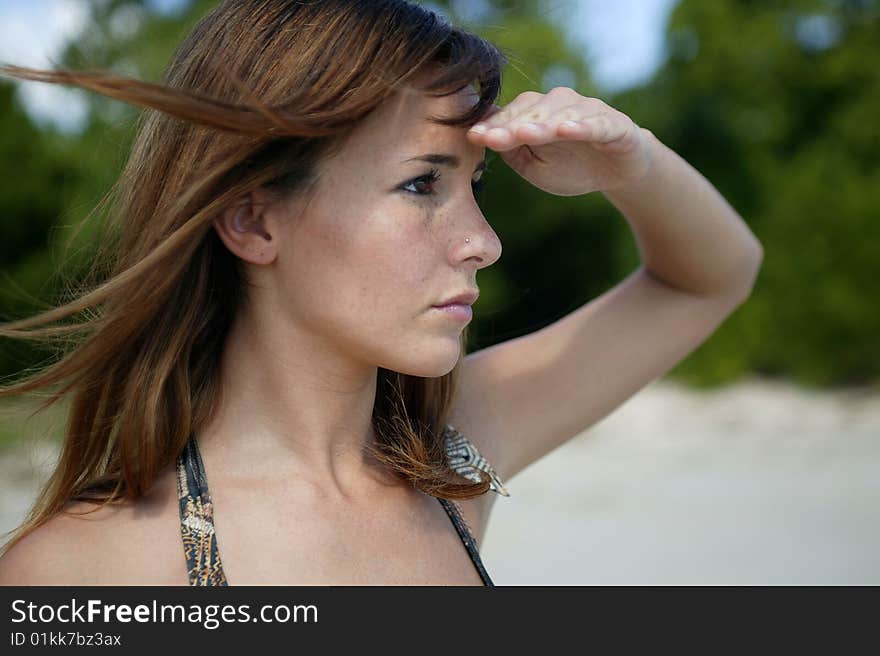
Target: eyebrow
[(444, 159)]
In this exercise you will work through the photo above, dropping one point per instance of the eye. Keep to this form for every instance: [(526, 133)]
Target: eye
[(424, 184)]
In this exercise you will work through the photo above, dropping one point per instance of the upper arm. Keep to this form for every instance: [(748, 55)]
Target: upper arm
[(522, 398)]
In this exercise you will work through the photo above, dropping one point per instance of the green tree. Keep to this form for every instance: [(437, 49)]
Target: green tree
[(775, 102), (42, 176)]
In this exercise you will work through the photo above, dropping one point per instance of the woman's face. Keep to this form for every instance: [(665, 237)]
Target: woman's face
[(383, 239)]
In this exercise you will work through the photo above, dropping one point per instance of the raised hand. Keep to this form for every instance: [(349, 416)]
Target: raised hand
[(567, 144)]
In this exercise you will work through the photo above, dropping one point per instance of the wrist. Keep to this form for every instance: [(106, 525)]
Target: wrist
[(651, 155)]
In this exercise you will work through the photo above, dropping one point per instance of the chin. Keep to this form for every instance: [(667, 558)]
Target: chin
[(430, 364)]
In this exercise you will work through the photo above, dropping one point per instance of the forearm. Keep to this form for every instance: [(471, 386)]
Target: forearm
[(687, 233)]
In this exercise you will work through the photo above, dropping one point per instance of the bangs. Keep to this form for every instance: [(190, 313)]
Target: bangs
[(463, 59)]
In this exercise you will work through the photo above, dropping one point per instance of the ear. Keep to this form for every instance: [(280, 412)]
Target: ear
[(247, 231)]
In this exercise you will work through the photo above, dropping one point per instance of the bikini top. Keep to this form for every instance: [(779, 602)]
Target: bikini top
[(197, 513)]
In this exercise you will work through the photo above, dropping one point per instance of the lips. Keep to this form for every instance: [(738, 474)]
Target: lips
[(456, 311), (465, 298)]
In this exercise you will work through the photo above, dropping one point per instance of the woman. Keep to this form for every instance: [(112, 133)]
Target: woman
[(285, 229)]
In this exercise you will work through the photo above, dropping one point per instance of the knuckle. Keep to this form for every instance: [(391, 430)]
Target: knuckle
[(530, 95), (561, 91), (571, 113), (598, 103)]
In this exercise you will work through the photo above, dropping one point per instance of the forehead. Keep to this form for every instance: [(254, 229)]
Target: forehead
[(400, 124), (411, 107)]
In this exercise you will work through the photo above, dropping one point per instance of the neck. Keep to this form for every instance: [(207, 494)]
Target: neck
[(292, 406)]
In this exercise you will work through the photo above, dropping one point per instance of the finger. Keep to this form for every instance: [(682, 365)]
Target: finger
[(528, 134), (600, 128), (539, 110), (504, 114), (546, 126)]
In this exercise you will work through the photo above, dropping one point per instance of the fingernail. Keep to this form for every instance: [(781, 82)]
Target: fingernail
[(571, 124), (479, 128)]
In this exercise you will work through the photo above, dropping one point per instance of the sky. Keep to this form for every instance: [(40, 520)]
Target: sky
[(621, 39)]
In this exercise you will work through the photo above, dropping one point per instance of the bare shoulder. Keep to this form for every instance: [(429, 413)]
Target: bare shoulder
[(123, 543), (58, 551)]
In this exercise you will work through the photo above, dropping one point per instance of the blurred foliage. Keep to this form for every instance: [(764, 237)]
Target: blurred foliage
[(42, 174), (774, 102)]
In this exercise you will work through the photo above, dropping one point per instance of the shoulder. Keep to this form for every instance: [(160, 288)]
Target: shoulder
[(59, 551), (123, 543)]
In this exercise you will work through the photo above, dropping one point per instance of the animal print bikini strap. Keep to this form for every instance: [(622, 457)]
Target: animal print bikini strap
[(197, 519), (467, 461)]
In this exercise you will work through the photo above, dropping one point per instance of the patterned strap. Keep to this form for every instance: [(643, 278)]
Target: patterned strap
[(197, 519), (466, 460)]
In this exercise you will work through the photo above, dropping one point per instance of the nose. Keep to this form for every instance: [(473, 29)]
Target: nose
[(479, 243)]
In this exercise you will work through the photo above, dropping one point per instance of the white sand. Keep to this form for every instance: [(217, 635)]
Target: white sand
[(757, 483)]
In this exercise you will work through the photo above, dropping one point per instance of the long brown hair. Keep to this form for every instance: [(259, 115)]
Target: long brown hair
[(254, 97)]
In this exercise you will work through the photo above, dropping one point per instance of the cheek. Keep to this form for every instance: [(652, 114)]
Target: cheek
[(373, 263), (390, 269)]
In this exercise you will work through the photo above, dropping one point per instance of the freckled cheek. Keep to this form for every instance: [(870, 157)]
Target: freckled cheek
[(390, 273), (394, 278), (375, 260)]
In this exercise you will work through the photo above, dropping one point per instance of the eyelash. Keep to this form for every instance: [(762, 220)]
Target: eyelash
[(434, 175)]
